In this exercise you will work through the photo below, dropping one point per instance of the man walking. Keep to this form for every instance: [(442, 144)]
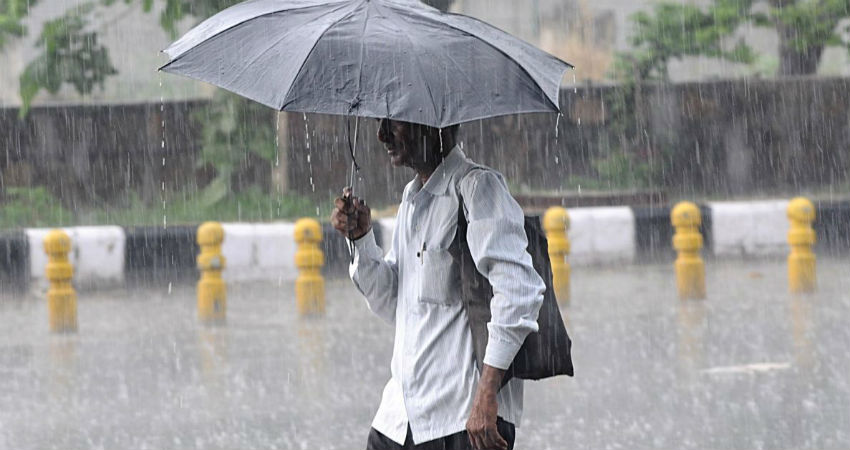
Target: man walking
[(437, 398)]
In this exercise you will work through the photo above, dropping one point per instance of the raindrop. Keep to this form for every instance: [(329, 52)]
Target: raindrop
[(277, 141), (162, 146), (557, 121), (309, 151)]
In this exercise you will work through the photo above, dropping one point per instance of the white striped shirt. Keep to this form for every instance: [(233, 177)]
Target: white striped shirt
[(416, 287)]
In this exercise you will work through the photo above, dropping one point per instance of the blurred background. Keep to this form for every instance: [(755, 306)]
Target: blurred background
[(669, 100), (698, 99)]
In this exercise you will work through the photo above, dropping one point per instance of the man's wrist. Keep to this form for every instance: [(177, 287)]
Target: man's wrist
[(355, 239), (491, 380)]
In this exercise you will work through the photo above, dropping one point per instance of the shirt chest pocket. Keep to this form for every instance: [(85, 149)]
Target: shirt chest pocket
[(439, 280)]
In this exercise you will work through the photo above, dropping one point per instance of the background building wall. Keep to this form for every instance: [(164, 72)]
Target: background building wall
[(710, 138)]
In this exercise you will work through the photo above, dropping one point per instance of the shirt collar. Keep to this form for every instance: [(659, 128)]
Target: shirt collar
[(438, 182)]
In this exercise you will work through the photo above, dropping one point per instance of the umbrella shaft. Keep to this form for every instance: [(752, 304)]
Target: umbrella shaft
[(353, 154)]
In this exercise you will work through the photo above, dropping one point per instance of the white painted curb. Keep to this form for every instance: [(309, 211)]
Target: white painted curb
[(749, 228), (259, 252), (601, 235), (97, 254)]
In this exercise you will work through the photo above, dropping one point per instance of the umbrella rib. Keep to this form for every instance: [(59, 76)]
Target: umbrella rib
[(469, 81), (246, 65), (230, 27), (360, 67), (556, 104), (487, 41), (557, 101), (303, 63), (437, 116)]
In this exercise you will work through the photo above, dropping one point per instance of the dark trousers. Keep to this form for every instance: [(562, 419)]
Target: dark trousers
[(457, 441)]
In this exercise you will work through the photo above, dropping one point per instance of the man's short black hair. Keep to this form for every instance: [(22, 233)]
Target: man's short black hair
[(451, 131)]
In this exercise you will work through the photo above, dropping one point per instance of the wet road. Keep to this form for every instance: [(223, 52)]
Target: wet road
[(751, 367)]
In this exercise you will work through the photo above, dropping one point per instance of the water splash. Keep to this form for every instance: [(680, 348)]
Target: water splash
[(557, 121), (279, 179), (575, 84)]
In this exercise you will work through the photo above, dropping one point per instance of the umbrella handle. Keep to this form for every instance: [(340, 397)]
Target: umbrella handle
[(347, 199)]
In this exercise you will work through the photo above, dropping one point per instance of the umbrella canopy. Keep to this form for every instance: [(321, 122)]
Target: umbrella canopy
[(399, 59)]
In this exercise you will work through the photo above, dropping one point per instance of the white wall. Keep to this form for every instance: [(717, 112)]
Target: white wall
[(749, 228)]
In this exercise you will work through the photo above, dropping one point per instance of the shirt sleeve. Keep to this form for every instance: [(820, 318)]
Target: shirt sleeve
[(376, 275), (497, 242)]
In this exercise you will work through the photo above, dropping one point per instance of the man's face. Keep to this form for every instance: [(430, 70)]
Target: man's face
[(403, 142)]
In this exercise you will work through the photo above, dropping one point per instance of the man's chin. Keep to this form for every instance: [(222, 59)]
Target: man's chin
[(395, 159)]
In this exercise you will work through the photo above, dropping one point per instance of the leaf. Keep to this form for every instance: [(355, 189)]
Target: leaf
[(215, 191), (70, 54)]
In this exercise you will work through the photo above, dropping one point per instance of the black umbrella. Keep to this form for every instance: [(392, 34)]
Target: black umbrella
[(398, 59)]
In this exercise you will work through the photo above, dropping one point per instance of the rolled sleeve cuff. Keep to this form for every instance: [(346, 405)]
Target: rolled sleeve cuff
[(500, 354), (366, 247)]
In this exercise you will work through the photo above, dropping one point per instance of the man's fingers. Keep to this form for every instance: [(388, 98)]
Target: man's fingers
[(363, 208), (476, 440), (358, 204), (340, 222), (344, 204), (498, 442), (488, 440)]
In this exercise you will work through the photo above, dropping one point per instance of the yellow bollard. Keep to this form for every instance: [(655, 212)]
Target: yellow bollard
[(556, 222), (212, 291), (802, 277), (690, 269), (61, 298), (309, 286)]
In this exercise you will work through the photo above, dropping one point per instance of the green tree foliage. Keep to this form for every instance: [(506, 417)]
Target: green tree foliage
[(235, 130), (69, 48), (11, 14), (70, 54), (673, 30)]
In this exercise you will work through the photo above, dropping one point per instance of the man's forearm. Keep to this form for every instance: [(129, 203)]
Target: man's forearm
[(481, 426), (491, 380)]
